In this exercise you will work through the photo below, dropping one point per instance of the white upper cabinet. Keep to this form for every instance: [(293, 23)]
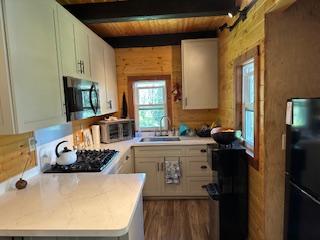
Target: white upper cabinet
[(67, 43), (31, 67), (82, 49), (200, 73), (111, 79), (98, 69), (74, 45)]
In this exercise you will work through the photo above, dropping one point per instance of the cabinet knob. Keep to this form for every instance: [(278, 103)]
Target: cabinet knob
[(127, 157), (203, 150), (204, 167)]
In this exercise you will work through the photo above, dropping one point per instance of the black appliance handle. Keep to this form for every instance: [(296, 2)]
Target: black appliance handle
[(213, 191), (93, 89), (305, 193)]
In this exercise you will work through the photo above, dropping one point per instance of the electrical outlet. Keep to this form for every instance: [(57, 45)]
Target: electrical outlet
[(32, 144)]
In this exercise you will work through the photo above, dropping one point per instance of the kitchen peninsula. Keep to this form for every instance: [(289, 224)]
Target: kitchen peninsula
[(73, 205)]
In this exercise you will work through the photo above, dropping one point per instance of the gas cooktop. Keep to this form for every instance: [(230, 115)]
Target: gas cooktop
[(87, 161)]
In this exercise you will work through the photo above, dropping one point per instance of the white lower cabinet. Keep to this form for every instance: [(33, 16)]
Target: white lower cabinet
[(150, 166), (195, 171), (125, 165)]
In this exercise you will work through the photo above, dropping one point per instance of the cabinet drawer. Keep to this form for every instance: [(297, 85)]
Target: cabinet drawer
[(198, 150), (158, 151), (196, 166), (194, 186)]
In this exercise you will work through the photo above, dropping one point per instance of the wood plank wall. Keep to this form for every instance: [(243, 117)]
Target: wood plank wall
[(158, 61), (244, 37), (292, 60), (14, 152)]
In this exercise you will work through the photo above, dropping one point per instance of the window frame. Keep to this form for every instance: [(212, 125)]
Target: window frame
[(137, 106), (251, 55), (131, 101)]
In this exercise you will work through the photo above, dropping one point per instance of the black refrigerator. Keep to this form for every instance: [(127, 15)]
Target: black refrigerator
[(302, 200)]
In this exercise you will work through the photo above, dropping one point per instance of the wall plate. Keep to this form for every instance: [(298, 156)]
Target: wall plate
[(32, 144)]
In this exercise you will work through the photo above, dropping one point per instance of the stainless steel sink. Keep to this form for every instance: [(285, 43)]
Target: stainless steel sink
[(160, 139)]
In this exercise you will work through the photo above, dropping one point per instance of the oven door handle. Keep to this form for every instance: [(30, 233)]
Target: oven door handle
[(93, 89)]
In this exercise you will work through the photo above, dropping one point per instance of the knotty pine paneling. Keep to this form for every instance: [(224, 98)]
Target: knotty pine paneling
[(244, 37), (14, 152), (158, 26), (158, 61)]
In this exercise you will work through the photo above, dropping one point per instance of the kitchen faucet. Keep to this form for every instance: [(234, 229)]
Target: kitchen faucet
[(169, 124)]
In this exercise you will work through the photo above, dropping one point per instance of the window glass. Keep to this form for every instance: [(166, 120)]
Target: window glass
[(248, 98), (150, 104)]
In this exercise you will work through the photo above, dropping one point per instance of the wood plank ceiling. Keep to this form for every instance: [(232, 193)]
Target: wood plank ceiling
[(68, 2), (112, 19), (159, 26)]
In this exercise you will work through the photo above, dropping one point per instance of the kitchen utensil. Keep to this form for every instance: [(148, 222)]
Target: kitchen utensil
[(66, 156)]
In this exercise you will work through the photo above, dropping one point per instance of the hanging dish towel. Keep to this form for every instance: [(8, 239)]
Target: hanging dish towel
[(172, 171)]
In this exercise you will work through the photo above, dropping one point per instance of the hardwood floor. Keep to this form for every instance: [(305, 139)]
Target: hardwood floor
[(176, 219)]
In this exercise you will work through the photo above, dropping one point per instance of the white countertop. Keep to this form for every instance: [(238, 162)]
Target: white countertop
[(82, 204), (124, 146), (71, 205), (184, 141)]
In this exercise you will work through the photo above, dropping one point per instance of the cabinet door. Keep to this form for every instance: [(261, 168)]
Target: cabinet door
[(126, 164), (111, 79), (6, 111), (97, 69), (82, 49), (200, 73), (172, 189), (150, 166), (195, 186), (33, 62), (196, 166), (70, 66)]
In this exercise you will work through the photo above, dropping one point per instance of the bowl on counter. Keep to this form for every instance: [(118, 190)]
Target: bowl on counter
[(224, 136)]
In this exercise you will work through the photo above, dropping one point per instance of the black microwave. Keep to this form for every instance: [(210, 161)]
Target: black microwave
[(81, 98)]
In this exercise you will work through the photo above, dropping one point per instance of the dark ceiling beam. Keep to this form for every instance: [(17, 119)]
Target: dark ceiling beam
[(157, 40), (139, 10)]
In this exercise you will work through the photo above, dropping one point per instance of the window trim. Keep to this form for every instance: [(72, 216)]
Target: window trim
[(137, 106), (133, 79), (253, 54)]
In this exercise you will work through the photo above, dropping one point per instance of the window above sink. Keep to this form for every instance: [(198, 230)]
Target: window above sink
[(149, 101)]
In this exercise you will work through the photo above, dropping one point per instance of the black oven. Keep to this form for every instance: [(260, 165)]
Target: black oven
[(81, 98)]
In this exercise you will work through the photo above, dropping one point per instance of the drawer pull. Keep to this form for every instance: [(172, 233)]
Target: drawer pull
[(203, 150), (127, 157), (204, 167)]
